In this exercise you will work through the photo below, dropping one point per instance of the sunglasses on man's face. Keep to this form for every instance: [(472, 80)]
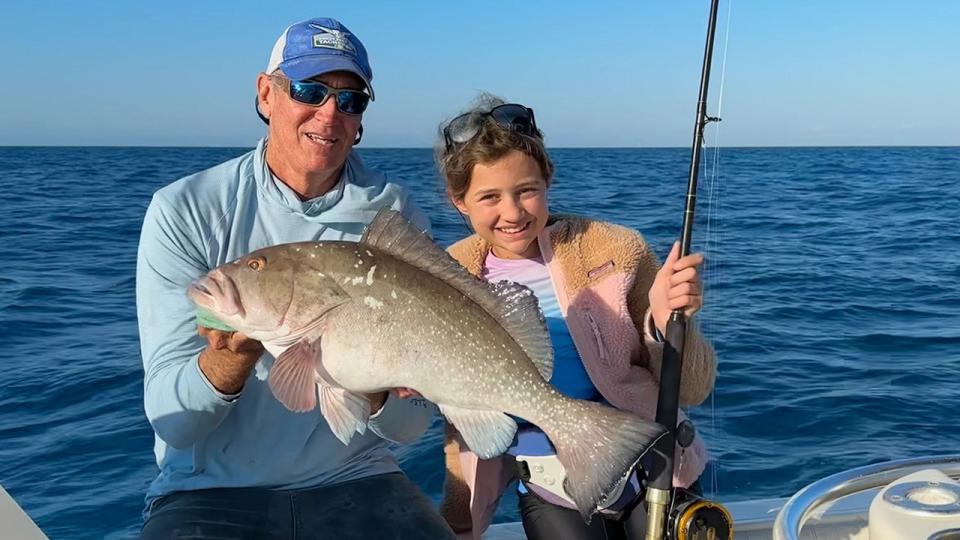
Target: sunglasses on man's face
[(510, 115), (315, 94)]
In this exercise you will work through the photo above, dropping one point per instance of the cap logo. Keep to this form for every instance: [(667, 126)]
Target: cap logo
[(332, 39)]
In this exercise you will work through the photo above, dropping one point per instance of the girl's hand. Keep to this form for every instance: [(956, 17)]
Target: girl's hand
[(405, 393), (677, 286)]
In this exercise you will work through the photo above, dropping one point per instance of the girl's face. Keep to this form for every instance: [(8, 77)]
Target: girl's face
[(506, 203)]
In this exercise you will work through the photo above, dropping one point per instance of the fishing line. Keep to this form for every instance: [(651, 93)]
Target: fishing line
[(715, 231)]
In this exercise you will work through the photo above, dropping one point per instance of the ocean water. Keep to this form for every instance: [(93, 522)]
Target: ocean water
[(831, 291)]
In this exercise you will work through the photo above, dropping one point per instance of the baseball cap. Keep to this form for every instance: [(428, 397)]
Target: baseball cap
[(317, 46)]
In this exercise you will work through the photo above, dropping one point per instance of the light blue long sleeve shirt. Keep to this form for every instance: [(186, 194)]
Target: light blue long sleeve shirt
[(205, 439)]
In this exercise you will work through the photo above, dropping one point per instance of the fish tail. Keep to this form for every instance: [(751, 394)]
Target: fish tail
[(599, 446)]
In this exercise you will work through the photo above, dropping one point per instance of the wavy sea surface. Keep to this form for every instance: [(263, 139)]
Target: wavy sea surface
[(832, 300)]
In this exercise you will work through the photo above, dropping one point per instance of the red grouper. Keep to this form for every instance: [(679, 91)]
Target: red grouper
[(396, 311)]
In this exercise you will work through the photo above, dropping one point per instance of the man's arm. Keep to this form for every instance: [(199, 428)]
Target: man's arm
[(181, 403)]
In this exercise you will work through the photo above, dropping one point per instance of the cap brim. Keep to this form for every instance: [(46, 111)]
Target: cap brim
[(307, 67)]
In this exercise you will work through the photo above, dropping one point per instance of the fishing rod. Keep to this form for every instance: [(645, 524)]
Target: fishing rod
[(692, 518)]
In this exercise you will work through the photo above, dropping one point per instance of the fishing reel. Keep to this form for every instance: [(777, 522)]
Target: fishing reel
[(693, 517)]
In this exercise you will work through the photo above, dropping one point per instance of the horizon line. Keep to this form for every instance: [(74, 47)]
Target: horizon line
[(159, 146)]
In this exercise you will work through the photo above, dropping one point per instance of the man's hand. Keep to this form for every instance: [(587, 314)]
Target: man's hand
[(677, 286), (228, 359)]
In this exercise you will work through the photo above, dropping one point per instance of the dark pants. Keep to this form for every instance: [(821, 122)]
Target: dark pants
[(387, 506), (545, 521)]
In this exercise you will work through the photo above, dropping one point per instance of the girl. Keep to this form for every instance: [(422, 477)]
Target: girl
[(606, 303)]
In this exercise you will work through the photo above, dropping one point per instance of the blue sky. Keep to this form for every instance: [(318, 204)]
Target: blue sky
[(816, 72)]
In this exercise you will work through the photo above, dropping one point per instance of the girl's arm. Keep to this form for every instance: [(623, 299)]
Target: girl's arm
[(699, 363)]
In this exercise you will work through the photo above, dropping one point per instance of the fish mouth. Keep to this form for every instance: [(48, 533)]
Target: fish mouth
[(217, 293)]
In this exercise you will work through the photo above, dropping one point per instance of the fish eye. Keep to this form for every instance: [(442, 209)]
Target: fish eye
[(257, 264)]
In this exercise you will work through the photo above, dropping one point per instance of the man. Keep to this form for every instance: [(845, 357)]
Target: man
[(234, 462)]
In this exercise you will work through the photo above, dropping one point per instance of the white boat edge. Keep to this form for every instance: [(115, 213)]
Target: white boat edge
[(14, 522), (906, 499), (754, 519)]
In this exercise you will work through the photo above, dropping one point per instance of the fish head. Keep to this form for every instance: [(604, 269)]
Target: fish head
[(252, 294), (276, 293)]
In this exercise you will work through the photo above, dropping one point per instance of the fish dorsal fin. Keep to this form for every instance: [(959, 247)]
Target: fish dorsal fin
[(514, 306), (517, 309)]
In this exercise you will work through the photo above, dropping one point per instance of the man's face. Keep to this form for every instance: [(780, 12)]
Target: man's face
[(308, 141)]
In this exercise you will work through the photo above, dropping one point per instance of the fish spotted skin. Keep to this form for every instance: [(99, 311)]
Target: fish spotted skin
[(394, 310)]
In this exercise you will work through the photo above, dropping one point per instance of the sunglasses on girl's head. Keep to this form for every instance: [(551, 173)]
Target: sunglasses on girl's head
[(315, 93), (511, 116)]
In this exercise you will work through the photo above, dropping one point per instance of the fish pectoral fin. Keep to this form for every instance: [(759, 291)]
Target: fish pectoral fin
[(293, 377), (346, 412), (487, 433)]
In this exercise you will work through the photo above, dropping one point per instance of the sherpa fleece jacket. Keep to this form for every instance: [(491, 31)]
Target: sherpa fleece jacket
[(601, 274)]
